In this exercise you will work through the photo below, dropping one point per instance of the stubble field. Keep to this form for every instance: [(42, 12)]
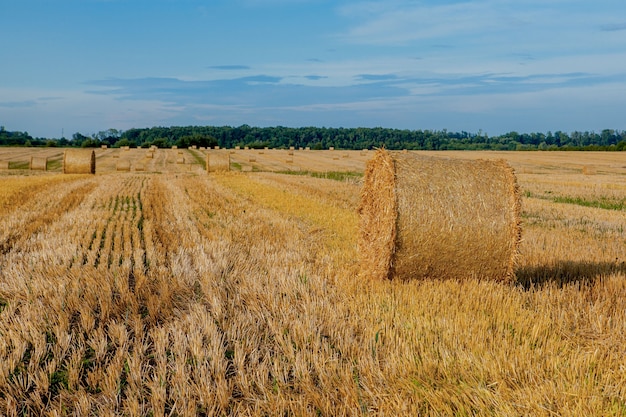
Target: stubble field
[(165, 290)]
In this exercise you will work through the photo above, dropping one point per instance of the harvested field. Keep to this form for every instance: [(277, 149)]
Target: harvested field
[(171, 292)]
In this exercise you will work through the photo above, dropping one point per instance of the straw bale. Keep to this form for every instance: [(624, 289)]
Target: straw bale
[(123, 165), (252, 159), (174, 147), (180, 160), (237, 148), (38, 163), (217, 162), (103, 146), (426, 217), (79, 161), (246, 168), (589, 170), (289, 160), (332, 148), (140, 167)]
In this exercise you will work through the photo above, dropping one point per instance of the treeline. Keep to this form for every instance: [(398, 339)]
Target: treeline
[(323, 138)]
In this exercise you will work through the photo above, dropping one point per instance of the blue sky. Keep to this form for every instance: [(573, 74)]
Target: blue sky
[(485, 65)]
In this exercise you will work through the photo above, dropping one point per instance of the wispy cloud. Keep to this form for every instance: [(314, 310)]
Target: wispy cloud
[(613, 27), (18, 104), (230, 67)]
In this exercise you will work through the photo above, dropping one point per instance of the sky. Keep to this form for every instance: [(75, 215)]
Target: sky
[(481, 66)]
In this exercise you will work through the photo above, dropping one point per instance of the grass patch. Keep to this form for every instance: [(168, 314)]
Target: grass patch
[(200, 158), (602, 202), (331, 175), (19, 165)]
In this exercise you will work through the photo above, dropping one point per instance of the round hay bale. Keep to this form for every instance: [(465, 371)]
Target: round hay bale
[(79, 161), (123, 165), (38, 163), (425, 217), (217, 162)]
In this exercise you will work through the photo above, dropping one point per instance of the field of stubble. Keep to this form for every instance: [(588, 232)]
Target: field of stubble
[(165, 290)]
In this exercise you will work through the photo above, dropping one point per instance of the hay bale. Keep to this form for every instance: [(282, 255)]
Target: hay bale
[(174, 147), (589, 170), (79, 161), (140, 167), (103, 146), (123, 166), (426, 217), (38, 163), (217, 162)]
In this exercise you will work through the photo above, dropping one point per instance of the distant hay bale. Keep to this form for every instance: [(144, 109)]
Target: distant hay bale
[(589, 170), (126, 148), (345, 155), (426, 217), (217, 162), (246, 148), (289, 160), (123, 166), (246, 168), (290, 153), (38, 163), (140, 167), (332, 148), (308, 148), (180, 160), (292, 148), (103, 146), (252, 159), (237, 148), (216, 147), (149, 155), (79, 161)]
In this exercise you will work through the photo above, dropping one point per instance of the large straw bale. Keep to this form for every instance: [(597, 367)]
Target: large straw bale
[(123, 165), (425, 217), (38, 163), (217, 161), (79, 161)]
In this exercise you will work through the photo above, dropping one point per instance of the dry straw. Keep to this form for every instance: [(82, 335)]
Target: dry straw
[(123, 165), (79, 161), (425, 217), (4, 164), (38, 163), (217, 161)]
